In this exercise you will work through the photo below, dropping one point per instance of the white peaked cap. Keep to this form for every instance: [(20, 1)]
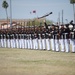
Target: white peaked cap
[(49, 27), (59, 27), (74, 30), (44, 20), (70, 26), (64, 26)]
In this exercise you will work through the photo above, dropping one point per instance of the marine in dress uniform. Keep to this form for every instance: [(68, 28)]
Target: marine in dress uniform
[(52, 37), (31, 44), (40, 40), (17, 41), (32, 37), (0, 40), (22, 40), (61, 33), (28, 43), (56, 37), (15, 46), (20, 43), (35, 41), (4, 41), (13, 40), (47, 37), (29, 40), (8, 40), (66, 40), (43, 40), (40, 37), (72, 37), (12, 37), (47, 41)]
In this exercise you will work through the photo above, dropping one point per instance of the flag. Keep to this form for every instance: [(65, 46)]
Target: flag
[(34, 11)]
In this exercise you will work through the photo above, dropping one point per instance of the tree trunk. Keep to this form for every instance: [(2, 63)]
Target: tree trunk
[(7, 17)]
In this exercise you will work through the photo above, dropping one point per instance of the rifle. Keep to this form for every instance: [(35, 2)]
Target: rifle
[(45, 15)]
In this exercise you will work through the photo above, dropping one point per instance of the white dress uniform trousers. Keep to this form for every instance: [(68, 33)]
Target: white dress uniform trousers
[(43, 44), (56, 43), (62, 44), (8, 42), (17, 41), (67, 49), (36, 43), (4, 41), (72, 43), (53, 44), (30, 41), (40, 42), (48, 44)]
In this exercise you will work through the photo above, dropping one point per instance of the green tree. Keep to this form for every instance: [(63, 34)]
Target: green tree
[(5, 6), (73, 2)]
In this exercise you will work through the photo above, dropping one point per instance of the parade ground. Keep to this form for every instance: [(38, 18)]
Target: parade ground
[(36, 62)]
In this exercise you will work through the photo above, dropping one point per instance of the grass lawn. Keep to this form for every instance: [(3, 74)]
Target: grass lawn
[(36, 62)]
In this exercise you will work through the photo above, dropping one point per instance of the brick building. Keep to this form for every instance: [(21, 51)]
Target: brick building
[(4, 24)]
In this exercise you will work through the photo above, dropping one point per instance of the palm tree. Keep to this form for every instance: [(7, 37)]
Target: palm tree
[(73, 2), (5, 6)]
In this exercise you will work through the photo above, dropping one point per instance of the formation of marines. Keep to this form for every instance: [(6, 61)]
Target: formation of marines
[(54, 37)]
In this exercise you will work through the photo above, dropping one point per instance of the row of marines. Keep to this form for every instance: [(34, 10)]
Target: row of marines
[(55, 38)]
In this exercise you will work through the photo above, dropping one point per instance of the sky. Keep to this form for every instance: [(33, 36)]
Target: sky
[(21, 9)]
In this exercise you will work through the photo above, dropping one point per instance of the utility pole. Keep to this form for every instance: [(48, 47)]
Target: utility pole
[(59, 18), (74, 12), (10, 14), (62, 16), (73, 2)]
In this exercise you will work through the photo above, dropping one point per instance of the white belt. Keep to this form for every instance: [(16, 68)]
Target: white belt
[(65, 33), (72, 32)]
